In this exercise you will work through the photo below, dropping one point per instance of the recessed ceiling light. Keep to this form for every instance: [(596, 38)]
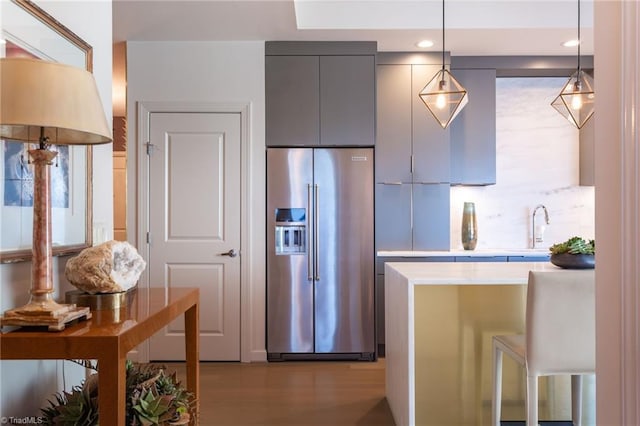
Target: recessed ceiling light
[(571, 43), (424, 44)]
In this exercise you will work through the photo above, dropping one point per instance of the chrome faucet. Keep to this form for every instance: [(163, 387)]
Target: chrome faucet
[(538, 238)]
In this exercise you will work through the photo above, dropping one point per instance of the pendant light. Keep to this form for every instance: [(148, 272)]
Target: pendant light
[(576, 100), (443, 95)]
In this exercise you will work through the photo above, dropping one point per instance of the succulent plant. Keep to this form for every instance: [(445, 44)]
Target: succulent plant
[(574, 245), (76, 408), (153, 398)]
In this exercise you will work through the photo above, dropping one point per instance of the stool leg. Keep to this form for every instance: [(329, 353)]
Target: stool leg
[(576, 399), (532, 400), (496, 402)]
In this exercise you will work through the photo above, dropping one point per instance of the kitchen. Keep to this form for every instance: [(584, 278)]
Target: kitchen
[(531, 139), (156, 65)]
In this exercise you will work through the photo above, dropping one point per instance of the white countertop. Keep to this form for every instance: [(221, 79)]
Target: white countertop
[(542, 252), (479, 273)]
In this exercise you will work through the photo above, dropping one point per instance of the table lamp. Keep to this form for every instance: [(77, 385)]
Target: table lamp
[(47, 103)]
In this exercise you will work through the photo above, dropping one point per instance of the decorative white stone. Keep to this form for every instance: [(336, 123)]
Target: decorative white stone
[(110, 267)]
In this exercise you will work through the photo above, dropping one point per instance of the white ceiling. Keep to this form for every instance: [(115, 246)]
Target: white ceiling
[(473, 27)]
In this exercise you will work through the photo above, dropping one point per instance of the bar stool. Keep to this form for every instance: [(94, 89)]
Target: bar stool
[(559, 339)]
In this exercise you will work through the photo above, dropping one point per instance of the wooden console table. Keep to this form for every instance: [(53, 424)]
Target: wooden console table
[(109, 336)]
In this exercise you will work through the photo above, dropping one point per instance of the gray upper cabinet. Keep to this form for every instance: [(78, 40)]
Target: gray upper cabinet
[(587, 153), (431, 149), (393, 148), (292, 96), (347, 100), (411, 145), (320, 93), (473, 132)]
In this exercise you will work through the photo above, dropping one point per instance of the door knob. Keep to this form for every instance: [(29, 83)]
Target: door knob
[(230, 253)]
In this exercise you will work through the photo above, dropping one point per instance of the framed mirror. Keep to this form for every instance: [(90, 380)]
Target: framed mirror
[(29, 31)]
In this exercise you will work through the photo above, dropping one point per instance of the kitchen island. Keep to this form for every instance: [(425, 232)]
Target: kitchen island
[(440, 318)]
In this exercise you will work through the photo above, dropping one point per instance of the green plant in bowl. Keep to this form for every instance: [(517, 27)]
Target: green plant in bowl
[(575, 253)]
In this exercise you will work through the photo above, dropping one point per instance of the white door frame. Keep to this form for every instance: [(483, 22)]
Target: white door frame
[(144, 111)]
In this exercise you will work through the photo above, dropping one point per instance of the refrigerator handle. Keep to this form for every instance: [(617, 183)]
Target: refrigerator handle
[(310, 236), (317, 233)]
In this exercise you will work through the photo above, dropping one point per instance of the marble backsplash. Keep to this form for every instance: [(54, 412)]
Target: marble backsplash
[(537, 163)]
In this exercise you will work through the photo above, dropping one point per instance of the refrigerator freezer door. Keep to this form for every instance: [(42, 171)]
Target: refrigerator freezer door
[(344, 301), (289, 275)]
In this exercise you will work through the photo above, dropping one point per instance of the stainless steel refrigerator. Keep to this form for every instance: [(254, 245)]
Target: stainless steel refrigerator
[(320, 254)]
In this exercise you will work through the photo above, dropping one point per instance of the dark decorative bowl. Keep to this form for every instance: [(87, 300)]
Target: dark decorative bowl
[(573, 261)]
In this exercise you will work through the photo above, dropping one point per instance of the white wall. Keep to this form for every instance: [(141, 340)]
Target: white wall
[(26, 385), (537, 154), (213, 72)]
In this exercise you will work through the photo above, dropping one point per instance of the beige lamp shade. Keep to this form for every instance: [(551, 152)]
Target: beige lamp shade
[(60, 99)]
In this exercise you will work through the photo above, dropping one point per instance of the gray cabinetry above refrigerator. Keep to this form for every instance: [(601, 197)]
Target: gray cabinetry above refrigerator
[(473, 132), (320, 93), (292, 98)]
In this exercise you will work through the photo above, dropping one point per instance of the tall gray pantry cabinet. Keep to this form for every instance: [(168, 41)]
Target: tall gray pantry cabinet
[(412, 152)]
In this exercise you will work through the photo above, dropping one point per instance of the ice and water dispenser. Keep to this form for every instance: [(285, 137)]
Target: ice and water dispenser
[(291, 231)]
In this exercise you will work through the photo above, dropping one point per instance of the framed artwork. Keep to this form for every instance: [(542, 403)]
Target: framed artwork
[(29, 31)]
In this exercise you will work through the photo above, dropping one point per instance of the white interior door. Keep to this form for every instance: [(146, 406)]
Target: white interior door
[(194, 224)]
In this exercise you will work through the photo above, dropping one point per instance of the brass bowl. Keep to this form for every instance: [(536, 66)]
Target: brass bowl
[(100, 301)]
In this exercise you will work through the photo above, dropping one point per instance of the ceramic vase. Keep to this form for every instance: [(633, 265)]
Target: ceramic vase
[(469, 226)]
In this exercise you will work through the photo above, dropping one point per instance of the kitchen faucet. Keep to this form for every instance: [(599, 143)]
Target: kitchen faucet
[(539, 238)]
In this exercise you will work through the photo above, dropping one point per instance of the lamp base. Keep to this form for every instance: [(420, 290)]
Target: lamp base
[(50, 314)]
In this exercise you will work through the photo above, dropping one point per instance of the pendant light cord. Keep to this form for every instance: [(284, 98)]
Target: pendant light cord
[(443, 34), (579, 41)]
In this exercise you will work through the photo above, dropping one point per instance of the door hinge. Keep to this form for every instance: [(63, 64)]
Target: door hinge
[(150, 148), (411, 166), (148, 237)]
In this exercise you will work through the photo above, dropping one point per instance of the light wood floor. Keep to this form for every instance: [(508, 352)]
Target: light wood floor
[(292, 393)]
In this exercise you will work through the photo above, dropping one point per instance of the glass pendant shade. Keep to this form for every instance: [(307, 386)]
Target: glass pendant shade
[(444, 97), (576, 100)]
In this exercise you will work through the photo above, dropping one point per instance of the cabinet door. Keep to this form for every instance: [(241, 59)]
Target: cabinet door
[(347, 100), (430, 141), (529, 258), (431, 228), (481, 258), (587, 153), (292, 100), (393, 217), (473, 132), (393, 137)]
